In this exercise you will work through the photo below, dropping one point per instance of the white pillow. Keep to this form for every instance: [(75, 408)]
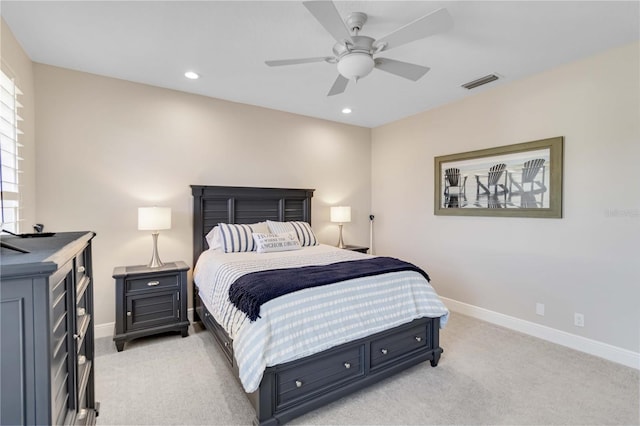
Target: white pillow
[(237, 237), (267, 243), (302, 230), (214, 240)]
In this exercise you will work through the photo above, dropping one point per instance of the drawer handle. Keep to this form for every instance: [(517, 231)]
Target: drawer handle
[(153, 283), (418, 339), (298, 384), (77, 336), (128, 313), (347, 365), (81, 269), (82, 359), (384, 351), (81, 312)]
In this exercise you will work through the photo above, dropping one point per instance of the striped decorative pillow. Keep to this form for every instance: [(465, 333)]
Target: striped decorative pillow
[(237, 238), (302, 229)]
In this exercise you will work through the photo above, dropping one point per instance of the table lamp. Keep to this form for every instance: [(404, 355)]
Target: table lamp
[(154, 219), (341, 215)]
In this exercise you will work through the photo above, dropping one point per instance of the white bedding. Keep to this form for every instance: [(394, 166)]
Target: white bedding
[(311, 320)]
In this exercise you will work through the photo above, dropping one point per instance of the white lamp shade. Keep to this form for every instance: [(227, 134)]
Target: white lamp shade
[(355, 65), (154, 218), (341, 214)]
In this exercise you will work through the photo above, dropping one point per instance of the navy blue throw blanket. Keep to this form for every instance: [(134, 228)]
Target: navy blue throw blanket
[(250, 291)]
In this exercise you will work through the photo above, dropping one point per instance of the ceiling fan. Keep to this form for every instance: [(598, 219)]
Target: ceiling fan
[(354, 53)]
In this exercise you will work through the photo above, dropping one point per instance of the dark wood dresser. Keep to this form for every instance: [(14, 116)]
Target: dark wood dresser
[(47, 335)]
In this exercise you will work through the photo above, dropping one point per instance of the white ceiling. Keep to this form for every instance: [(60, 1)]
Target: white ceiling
[(227, 42)]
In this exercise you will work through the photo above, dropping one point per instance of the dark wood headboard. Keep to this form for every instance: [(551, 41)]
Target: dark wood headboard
[(236, 204)]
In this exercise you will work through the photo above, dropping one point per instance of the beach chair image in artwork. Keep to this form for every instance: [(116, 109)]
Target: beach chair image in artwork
[(496, 178), (528, 175), (453, 179)]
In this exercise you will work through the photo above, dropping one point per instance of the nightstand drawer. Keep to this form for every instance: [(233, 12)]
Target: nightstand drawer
[(155, 282)]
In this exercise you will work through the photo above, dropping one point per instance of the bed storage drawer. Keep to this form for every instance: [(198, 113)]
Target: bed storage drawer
[(219, 334), (304, 379), (391, 347)]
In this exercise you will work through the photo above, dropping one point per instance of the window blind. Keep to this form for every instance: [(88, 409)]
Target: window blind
[(10, 153)]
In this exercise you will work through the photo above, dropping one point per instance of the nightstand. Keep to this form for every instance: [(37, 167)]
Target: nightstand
[(150, 301), (360, 249)]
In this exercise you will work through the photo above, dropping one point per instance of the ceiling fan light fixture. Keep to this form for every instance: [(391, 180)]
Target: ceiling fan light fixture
[(355, 65)]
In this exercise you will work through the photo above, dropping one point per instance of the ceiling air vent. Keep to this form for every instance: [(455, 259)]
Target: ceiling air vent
[(479, 82)]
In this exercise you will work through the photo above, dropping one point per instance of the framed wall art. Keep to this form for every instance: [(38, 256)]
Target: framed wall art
[(520, 180)]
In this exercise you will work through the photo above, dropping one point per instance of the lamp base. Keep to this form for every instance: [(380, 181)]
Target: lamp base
[(340, 241), (155, 261)]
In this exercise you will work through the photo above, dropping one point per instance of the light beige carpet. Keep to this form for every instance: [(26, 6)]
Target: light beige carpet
[(487, 375)]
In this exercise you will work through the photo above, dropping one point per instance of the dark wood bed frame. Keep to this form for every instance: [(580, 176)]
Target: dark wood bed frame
[(292, 389)]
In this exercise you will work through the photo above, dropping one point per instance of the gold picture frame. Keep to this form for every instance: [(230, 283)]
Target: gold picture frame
[(520, 180)]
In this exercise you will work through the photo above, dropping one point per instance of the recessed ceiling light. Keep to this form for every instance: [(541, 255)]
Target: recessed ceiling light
[(191, 75), (346, 110)]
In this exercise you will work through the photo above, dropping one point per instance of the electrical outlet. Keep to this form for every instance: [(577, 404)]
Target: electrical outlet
[(578, 319), (540, 309)]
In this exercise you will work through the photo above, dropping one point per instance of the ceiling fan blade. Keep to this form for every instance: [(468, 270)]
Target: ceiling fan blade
[(402, 69), (281, 62), (339, 85), (327, 14), (435, 22)]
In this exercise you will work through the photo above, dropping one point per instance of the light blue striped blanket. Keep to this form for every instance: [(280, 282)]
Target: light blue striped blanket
[(310, 320)]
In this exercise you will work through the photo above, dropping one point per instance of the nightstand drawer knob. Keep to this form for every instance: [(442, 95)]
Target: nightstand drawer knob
[(81, 269), (347, 365), (81, 312), (82, 359), (153, 283), (384, 351), (298, 384), (418, 339), (128, 313)]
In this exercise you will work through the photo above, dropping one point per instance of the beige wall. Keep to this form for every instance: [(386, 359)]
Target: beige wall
[(586, 262), (16, 64), (107, 146)]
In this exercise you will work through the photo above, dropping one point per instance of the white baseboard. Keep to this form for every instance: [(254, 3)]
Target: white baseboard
[(103, 330), (106, 329), (582, 344)]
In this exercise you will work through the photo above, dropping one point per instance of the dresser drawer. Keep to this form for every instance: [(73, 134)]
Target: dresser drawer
[(156, 282), (391, 347), (318, 375), (81, 265)]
